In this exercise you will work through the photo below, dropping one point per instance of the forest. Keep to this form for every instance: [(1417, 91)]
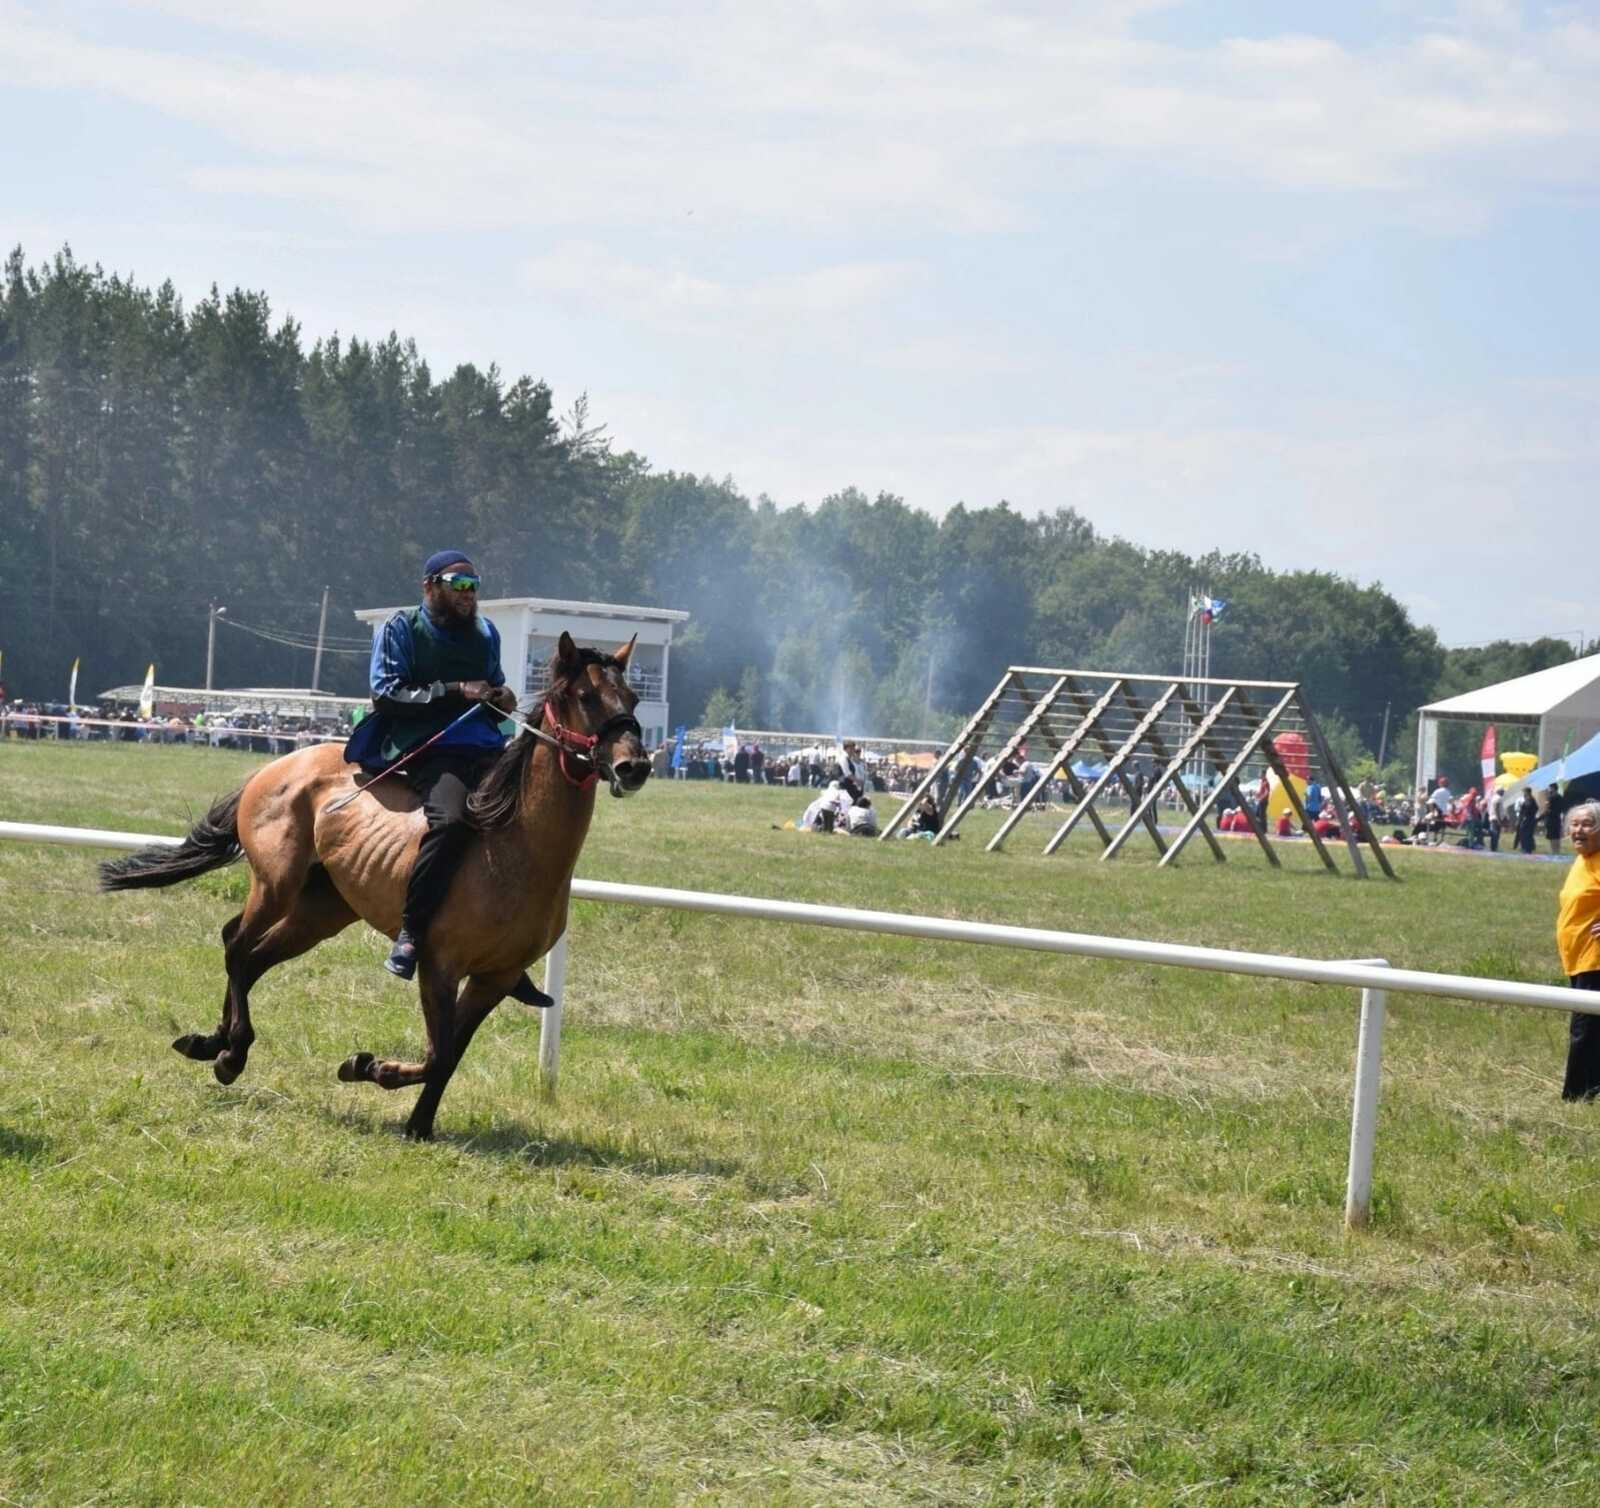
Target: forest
[(158, 459)]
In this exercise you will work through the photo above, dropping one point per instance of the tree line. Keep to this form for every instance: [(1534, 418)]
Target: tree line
[(157, 458)]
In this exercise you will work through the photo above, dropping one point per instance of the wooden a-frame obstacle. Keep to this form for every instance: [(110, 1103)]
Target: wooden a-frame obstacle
[(1213, 727)]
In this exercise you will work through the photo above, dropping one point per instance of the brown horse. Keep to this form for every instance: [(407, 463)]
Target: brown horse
[(314, 871)]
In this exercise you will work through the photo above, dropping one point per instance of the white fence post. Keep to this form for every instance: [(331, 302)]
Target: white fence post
[(1364, 1107), (555, 984)]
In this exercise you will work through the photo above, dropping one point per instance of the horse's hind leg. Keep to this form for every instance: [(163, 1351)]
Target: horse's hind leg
[(317, 911), (200, 1046)]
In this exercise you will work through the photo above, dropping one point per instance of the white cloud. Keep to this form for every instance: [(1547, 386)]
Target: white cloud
[(823, 300), (936, 116)]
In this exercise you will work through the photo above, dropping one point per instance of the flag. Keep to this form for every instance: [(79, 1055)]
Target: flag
[(730, 740), (1486, 757), (677, 748), (147, 697), (1211, 609), (72, 685)]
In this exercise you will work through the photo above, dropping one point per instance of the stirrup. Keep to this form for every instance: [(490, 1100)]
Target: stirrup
[(402, 959)]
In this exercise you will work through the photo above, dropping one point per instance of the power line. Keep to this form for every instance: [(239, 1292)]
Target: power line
[(357, 648)]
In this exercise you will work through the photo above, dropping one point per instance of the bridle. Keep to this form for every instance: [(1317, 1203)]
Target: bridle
[(572, 746)]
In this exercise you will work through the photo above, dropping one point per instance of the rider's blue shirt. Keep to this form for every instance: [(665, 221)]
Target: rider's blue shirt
[(416, 656)]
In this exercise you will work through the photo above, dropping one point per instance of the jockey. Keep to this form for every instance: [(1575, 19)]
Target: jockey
[(430, 664)]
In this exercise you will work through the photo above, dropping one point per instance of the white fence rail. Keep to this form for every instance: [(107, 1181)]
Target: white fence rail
[(1373, 977)]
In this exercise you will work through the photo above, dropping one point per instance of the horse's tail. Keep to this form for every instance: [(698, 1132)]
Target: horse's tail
[(212, 842)]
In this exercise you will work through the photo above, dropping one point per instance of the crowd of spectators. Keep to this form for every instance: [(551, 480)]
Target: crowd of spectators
[(262, 733), (805, 769)]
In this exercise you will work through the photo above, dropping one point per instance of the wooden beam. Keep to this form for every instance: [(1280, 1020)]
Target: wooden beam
[(1353, 826), (1230, 776), (1012, 744), (975, 728), (1114, 767), (1175, 765), (1158, 744), (1062, 757)]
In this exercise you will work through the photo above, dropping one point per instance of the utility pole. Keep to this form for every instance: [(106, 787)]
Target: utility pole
[(211, 639), (322, 629)]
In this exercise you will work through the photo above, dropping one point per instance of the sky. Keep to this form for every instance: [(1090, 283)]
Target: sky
[(1317, 281)]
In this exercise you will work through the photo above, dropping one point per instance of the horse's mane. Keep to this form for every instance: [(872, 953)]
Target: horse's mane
[(494, 802)]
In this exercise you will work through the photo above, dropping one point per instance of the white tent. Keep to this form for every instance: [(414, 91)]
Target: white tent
[(1564, 701)]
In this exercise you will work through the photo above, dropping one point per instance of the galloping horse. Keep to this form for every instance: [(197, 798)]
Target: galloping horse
[(315, 870)]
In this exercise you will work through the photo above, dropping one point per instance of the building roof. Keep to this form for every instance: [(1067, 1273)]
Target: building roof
[(554, 605), (1527, 696), (286, 701)]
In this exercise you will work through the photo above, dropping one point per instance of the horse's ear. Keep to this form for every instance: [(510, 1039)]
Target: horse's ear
[(621, 655), (566, 652)]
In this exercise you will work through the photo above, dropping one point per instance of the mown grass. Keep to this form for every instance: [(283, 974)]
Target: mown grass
[(816, 1217)]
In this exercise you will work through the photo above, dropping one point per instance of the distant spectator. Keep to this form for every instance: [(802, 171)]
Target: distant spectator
[(925, 819), (1553, 808), (1527, 819), (849, 765)]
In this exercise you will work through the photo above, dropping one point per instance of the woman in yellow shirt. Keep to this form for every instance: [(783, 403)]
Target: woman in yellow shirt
[(1578, 938)]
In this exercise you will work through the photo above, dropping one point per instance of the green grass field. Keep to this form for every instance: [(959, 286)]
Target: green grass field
[(816, 1217)]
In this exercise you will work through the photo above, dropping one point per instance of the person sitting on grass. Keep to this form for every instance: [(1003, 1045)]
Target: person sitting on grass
[(828, 810), (861, 821)]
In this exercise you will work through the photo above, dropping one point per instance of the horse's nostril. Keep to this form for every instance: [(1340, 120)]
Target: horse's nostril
[(634, 771)]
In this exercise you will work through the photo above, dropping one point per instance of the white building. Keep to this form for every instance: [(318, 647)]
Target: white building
[(530, 626)]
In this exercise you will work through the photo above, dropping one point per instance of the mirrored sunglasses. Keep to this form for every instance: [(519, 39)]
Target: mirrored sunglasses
[(459, 581)]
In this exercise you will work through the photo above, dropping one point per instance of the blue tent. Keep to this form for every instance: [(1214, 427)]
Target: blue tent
[(1581, 763)]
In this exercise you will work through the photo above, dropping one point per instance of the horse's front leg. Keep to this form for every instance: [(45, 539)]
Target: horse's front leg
[(451, 1024), (438, 991), (480, 996)]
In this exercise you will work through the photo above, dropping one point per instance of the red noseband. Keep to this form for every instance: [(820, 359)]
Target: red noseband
[(573, 745)]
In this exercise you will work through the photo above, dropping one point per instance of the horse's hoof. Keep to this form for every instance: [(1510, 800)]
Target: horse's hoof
[(225, 1068), (418, 1133), (194, 1045), (356, 1069)]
